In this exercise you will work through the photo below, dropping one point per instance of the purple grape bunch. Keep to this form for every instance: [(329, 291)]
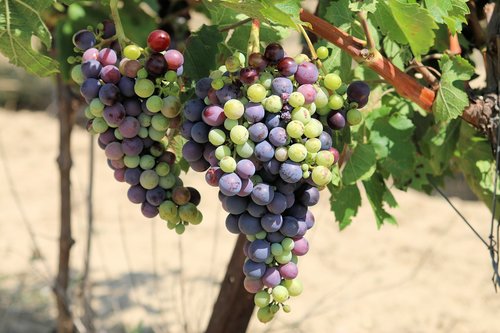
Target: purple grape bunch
[(134, 106), (262, 133)]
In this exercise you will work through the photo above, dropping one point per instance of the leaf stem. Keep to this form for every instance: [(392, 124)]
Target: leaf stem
[(314, 55), (115, 15), (370, 43), (234, 25)]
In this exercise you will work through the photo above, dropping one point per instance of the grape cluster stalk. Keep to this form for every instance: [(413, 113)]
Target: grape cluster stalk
[(134, 106), (262, 133)]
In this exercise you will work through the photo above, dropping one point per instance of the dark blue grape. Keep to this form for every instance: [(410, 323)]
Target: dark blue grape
[(84, 40), (193, 109), (109, 94)]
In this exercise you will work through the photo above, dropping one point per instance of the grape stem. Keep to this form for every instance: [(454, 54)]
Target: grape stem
[(426, 73), (235, 25), (311, 48), (254, 39), (115, 15)]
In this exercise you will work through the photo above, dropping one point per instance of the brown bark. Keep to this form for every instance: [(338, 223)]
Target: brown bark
[(66, 121), (234, 305)]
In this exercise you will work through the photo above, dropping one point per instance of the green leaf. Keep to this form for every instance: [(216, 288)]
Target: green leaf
[(339, 14), (451, 98), (200, 56), (450, 12), (440, 145), (344, 202), (477, 164), (19, 21), (285, 13), (367, 5), (378, 194), (387, 23), (416, 24), (361, 165)]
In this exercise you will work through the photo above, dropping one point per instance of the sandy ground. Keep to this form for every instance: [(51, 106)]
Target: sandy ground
[(429, 274)]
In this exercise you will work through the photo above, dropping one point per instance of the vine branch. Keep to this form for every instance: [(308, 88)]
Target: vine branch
[(115, 15), (370, 43)]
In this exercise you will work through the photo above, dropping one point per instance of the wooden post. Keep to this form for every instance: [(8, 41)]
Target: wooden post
[(234, 306)]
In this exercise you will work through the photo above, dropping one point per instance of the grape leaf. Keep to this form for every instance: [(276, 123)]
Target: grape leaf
[(406, 23), (361, 165), (367, 5), (392, 139), (378, 194), (19, 21), (200, 56), (451, 98), (439, 145), (451, 12), (280, 12), (344, 202), (477, 164)]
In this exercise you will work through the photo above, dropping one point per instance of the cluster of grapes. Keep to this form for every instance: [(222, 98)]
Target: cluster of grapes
[(134, 106), (263, 134)]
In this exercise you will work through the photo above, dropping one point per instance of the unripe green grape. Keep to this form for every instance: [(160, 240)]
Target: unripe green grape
[(230, 123), (297, 152), (325, 158), (217, 74), (147, 162), (162, 169), (294, 286), (274, 308), (261, 235), (287, 308), (280, 294), (188, 212), (232, 64), (167, 210), (234, 109), (132, 52), (321, 99), (287, 244), (143, 133), (217, 84), (171, 106), (295, 129), (154, 103), (301, 114), (222, 151), (96, 107), (156, 135), (276, 249), (256, 93), (99, 125), (304, 167), (239, 134), (197, 219), (142, 73), (131, 161), (301, 58), (342, 90), (144, 88), (335, 102), (180, 228), (171, 76), (313, 128), (77, 75), (313, 145), (311, 107), (88, 113), (216, 137), (245, 150), (159, 122), (321, 175), (144, 120), (168, 181), (324, 111), (296, 99), (227, 164), (272, 104), (149, 179), (281, 154), (306, 174), (322, 52), (264, 315), (284, 258), (332, 81), (241, 58), (251, 238), (262, 299), (266, 79), (354, 117), (118, 134)]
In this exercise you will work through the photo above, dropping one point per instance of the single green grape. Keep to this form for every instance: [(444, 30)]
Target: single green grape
[(335, 102), (322, 52), (332, 81), (132, 52)]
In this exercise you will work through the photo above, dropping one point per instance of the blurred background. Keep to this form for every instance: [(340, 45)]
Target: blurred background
[(428, 274)]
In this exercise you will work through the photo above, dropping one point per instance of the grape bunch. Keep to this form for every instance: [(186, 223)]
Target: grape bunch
[(133, 105), (263, 135)]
